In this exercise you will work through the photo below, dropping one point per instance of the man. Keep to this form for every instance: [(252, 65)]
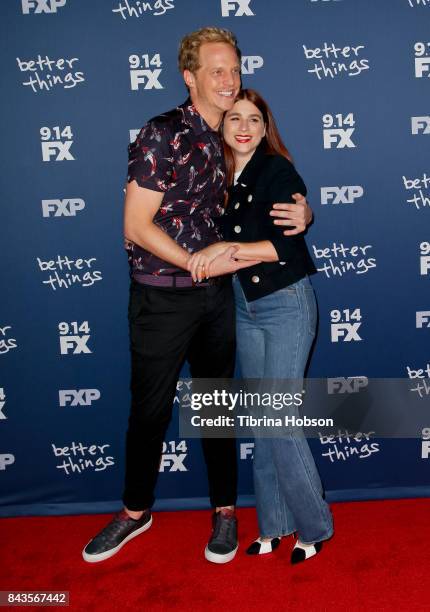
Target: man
[(176, 186)]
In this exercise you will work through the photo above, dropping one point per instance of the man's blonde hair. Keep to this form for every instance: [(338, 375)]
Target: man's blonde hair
[(188, 58)]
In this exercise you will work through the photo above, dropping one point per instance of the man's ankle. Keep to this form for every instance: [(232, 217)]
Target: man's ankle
[(221, 508), (134, 514)]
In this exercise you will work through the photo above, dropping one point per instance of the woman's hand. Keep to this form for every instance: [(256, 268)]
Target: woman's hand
[(199, 262)]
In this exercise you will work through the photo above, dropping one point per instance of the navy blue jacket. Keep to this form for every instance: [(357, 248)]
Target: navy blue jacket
[(266, 179)]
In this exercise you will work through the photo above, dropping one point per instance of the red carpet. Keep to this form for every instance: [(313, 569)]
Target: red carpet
[(379, 559)]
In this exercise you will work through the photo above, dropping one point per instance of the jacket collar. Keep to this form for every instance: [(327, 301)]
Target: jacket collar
[(249, 175)]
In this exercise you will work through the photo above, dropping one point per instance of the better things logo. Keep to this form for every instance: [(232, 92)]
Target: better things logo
[(333, 61), (44, 74), (64, 272), (78, 457), (420, 188), (139, 8), (339, 259), (6, 343)]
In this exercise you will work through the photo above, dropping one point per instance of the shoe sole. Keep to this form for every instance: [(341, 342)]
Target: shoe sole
[(217, 558), (110, 553)]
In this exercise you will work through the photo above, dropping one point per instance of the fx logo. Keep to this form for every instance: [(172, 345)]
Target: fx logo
[(173, 463), (62, 208), (346, 194), (425, 449), (422, 65), (250, 63), (78, 397), (2, 404), (74, 344), (61, 150), (352, 384), (5, 460), (41, 6), (420, 125), (423, 319), (339, 136), (347, 332), (242, 10), (147, 77), (246, 450)]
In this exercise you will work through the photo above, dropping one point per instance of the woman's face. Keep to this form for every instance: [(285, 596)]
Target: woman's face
[(243, 129)]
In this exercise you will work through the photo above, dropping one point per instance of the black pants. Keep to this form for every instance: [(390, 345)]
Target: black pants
[(168, 326)]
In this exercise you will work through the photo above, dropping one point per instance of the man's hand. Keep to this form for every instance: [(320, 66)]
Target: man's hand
[(298, 215), (199, 262), (226, 264)]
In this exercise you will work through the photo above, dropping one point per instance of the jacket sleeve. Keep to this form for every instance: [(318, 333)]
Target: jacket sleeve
[(282, 181)]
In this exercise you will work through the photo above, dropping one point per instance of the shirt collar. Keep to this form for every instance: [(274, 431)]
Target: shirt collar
[(194, 118)]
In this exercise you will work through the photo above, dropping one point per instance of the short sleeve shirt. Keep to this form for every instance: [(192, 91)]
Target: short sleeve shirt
[(178, 154)]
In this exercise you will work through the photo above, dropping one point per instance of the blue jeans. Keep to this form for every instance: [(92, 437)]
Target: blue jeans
[(274, 336)]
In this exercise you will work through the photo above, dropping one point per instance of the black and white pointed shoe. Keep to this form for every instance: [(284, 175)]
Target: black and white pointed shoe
[(303, 552), (262, 547)]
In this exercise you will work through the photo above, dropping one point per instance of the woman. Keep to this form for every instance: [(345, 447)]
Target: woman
[(276, 318)]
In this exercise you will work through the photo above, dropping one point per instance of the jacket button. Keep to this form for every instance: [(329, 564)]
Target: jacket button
[(282, 263), (236, 206), (237, 229), (250, 198), (255, 279)]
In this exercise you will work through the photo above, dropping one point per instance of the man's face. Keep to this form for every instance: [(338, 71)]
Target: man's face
[(215, 84)]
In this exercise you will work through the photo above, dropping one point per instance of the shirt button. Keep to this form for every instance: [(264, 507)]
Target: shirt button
[(255, 279), (237, 229), (282, 263), (250, 198), (236, 206)]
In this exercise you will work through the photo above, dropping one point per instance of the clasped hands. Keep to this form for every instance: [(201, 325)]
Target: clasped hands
[(219, 258), (216, 260)]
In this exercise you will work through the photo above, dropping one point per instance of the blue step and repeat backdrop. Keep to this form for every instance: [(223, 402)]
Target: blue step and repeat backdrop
[(348, 81)]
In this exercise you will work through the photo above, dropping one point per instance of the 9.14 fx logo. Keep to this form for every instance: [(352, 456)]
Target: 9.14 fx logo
[(335, 135), (422, 59), (56, 143), (345, 325), (74, 338), (142, 73), (424, 258), (173, 456)]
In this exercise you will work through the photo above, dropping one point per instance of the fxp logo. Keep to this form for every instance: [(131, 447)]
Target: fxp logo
[(67, 207), (239, 8), (78, 397), (346, 194), (41, 6), (251, 63)]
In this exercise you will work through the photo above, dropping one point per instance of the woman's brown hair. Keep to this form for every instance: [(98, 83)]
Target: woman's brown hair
[(272, 141)]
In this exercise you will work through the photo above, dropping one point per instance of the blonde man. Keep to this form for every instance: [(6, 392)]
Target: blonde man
[(175, 190)]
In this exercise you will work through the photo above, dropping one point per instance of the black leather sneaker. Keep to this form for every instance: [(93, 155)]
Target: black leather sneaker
[(121, 529), (222, 546)]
